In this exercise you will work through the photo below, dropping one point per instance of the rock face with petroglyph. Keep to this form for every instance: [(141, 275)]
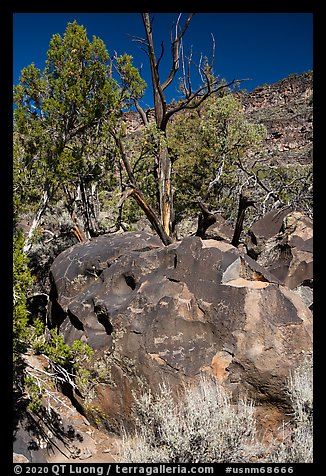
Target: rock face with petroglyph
[(156, 313)]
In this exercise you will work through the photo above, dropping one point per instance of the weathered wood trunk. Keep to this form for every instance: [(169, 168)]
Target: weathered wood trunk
[(151, 215), (165, 189), (244, 203), (36, 221), (205, 219)]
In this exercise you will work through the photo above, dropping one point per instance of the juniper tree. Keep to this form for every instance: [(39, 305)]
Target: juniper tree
[(69, 132), (207, 146), (66, 113), (60, 117), (190, 99)]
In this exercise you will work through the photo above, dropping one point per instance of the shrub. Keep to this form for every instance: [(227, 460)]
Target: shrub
[(297, 444), (203, 427), (22, 283)]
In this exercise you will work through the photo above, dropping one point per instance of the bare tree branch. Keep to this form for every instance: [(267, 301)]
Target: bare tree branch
[(200, 68), (159, 98), (141, 112), (124, 158), (216, 179), (200, 96), (188, 73), (213, 49), (138, 39), (175, 50), (133, 191), (161, 55)]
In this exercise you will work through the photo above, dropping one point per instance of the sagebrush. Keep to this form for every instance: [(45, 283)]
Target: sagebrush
[(205, 425), (297, 444)]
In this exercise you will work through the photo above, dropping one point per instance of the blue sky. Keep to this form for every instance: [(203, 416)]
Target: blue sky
[(265, 47)]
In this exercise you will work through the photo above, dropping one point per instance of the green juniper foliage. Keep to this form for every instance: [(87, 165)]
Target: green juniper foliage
[(22, 282), (207, 145), (63, 115)]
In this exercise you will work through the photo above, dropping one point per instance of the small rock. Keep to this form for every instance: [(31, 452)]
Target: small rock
[(19, 458)]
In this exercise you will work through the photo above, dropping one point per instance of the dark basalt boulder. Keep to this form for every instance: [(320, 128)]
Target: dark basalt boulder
[(155, 313), (282, 242)]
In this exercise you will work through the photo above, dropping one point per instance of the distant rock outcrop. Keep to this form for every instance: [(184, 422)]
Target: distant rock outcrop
[(156, 313), (286, 109)]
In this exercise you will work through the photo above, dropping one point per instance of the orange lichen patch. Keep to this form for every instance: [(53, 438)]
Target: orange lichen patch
[(157, 359), (246, 283), (219, 365)]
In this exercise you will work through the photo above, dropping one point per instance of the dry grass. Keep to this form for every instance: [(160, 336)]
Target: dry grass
[(297, 444), (205, 426)]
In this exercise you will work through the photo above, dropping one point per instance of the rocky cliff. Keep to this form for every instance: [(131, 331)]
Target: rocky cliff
[(286, 109)]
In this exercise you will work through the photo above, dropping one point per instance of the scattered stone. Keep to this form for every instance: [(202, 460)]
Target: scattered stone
[(58, 432)]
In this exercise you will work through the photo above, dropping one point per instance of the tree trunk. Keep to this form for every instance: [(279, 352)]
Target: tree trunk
[(151, 215), (133, 191), (244, 203), (205, 219), (85, 212), (36, 221), (88, 211), (165, 189)]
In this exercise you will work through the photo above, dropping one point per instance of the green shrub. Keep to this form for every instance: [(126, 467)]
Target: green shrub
[(22, 282)]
